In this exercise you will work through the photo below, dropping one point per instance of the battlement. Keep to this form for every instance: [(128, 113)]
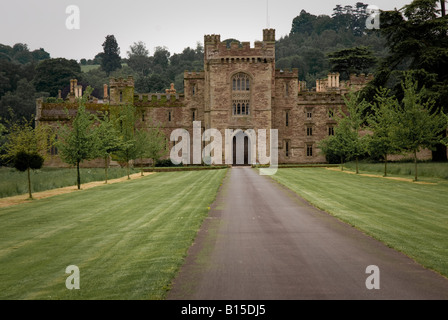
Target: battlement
[(212, 39), (158, 100), (269, 35), (263, 51), (294, 73), (194, 74), (120, 82)]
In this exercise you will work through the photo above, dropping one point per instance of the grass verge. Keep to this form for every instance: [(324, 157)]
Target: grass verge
[(13, 182), (409, 217), (128, 239), (404, 169)]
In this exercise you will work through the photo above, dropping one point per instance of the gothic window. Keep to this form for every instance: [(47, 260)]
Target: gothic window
[(169, 115), (287, 118), (287, 148), (309, 150), (330, 113), (331, 131), (309, 114), (194, 115), (240, 94), (309, 131), (121, 96)]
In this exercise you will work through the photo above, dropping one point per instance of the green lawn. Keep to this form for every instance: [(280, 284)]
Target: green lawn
[(128, 239), (410, 217), (13, 182)]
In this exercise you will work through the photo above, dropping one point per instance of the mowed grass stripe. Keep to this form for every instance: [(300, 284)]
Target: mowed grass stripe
[(128, 239), (412, 218)]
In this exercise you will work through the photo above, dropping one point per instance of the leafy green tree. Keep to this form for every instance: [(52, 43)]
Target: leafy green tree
[(161, 58), (352, 60), (54, 74), (108, 140), (110, 58), (354, 120), (152, 143), (420, 123), (26, 146), (79, 141), (138, 58), (125, 118), (24, 161), (383, 121), (21, 101), (338, 147), (303, 23), (347, 142), (416, 39)]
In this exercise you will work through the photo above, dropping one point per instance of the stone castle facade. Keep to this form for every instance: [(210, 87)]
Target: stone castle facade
[(239, 89)]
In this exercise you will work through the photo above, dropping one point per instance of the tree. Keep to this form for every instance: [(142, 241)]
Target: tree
[(78, 142), (138, 58), (303, 23), (416, 39), (26, 146), (24, 161), (22, 100), (53, 74), (110, 59), (337, 147), (125, 126), (352, 60), (353, 121), (420, 123), (152, 143), (161, 58), (383, 121), (108, 140)]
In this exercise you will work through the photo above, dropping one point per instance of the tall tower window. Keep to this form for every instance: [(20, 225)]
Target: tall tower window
[(240, 94)]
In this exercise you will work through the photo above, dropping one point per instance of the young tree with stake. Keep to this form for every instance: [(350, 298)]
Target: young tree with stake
[(79, 141)]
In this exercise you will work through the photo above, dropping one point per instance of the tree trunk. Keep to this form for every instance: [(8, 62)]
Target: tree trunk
[(106, 166), (442, 7), (385, 165), (342, 164), (79, 175), (29, 184), (357, 171), (128, 171), (415, 162), (141, 166)]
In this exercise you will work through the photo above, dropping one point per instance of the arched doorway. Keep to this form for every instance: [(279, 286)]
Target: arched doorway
[(240, 149)]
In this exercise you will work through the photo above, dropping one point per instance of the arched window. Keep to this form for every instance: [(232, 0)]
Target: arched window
[(241, 94)]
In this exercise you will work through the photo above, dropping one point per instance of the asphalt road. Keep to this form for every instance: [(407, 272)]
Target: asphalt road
[(263, 242)]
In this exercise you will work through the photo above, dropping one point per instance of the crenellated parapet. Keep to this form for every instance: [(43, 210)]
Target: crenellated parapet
[(263, 51), (293, 73), (190, 75), (157, 100)]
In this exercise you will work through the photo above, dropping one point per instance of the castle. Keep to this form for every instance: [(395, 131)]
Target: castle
[(239, 88)]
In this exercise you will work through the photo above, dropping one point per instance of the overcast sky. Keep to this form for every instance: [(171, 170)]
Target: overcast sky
[(176, 24)]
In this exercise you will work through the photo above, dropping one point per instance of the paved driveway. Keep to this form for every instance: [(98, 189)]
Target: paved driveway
[(262, 241)]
